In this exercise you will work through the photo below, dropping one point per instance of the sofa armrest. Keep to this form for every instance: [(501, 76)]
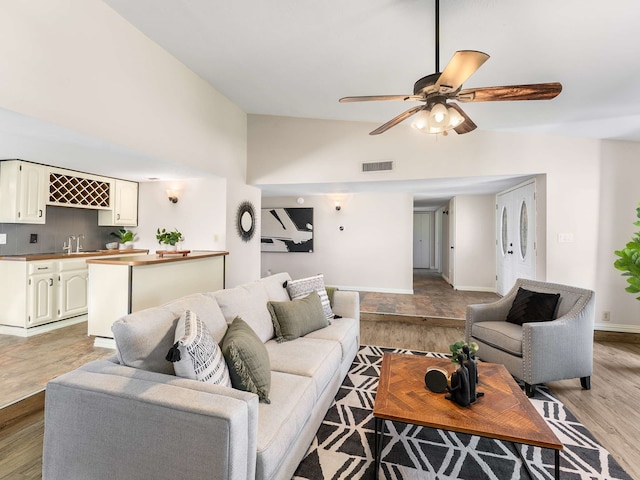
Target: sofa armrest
[(346, 304), (102, 425), (561, 348), (486, 312)]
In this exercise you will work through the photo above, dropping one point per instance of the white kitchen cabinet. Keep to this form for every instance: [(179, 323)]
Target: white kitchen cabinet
[(124, 203), (72, 288), (23, 192), (38, 292), (41, 299)]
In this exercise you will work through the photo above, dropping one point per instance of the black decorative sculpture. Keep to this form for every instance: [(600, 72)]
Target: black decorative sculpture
[(459, 391), (472, 368)]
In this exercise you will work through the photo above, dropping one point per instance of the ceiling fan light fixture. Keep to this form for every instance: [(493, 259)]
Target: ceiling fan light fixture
[(421, 120), (455, 118), (439, 117)]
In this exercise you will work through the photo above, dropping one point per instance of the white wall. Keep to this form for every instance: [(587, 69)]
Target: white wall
[(79, 65), (475, 243), (619, 199), (243, 263), (195, 215), (285, 150), (373, 252)]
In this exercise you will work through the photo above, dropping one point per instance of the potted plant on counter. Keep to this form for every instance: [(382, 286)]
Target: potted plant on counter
[(169, 239), (125, 238)]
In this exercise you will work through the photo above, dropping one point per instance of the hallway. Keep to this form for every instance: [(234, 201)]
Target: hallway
[(432, 297)]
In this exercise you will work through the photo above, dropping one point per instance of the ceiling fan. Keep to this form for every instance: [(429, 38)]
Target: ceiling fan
[(439, 114)]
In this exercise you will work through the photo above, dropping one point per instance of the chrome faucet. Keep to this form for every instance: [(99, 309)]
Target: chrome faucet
[(78, 246), (68, 248)]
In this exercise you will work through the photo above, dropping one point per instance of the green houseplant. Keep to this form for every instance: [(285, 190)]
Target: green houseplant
[(629, 261), (168, 238), (125, 237)]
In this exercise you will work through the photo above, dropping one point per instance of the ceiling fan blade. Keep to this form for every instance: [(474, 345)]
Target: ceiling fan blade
[(462, 65), (396, 120), (376, 98), (537, 91), (466, 126)]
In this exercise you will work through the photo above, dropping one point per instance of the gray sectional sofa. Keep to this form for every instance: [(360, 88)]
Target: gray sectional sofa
[(129, 417)]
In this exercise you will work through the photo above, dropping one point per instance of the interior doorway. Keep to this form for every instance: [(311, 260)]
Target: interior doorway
[(423, 240)]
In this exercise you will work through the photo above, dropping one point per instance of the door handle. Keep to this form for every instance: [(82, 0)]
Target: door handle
[(40, 213), (510, 252), (51, 282), (117, 216)]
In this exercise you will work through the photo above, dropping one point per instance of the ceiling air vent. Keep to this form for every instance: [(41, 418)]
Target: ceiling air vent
[(377, 166)]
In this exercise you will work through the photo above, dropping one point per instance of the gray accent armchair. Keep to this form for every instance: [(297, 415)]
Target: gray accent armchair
[(537, 352)]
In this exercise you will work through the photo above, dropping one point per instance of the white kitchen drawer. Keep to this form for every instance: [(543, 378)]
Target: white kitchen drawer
[(41, 267)]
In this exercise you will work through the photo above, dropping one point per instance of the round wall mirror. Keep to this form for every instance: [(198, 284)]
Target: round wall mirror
[(246, 221)]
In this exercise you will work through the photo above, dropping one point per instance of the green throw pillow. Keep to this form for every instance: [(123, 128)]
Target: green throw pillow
[(298, 317), (247, 359)]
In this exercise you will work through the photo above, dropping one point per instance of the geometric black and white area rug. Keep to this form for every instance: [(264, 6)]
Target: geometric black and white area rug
[(343, 446)]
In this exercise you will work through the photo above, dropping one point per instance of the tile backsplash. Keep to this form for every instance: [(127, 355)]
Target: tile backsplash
[(61, 222)]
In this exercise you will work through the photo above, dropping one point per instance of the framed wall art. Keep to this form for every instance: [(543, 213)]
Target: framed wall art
[(287, 230)]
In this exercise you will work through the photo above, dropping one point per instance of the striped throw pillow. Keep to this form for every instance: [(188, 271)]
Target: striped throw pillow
[(304, 286), (195, 354)]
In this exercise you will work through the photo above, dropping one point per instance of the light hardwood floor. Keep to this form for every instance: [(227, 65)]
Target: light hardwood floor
[(608, 410)]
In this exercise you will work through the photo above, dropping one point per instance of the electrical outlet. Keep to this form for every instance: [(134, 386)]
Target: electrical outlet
[(33, 238), (606, 316), (3, 238)]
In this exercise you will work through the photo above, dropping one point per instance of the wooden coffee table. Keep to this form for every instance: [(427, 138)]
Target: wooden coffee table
[(504, 413)]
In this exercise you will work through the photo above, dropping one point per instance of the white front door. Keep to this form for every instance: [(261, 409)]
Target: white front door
[(515, 244)]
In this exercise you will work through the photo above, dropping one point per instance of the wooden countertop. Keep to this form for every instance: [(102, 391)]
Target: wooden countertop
[(138, 260), (30, 257)]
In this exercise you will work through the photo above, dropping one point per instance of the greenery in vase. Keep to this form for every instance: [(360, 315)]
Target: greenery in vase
[(629, 261), (168, 238), (123, 235), (456, 349)]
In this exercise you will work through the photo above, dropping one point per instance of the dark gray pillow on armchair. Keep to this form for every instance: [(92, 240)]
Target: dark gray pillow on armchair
[(531, 306)]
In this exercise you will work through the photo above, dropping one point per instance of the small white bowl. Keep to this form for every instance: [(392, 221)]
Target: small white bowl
[(112, 245)]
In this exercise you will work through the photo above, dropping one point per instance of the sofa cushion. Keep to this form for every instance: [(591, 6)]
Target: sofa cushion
[(531, 306), (343, 330), (504, 336), (248, 360), (248, 302), (143, 339), (304, 286), (195, 354), (275, 285), (295, 318), (205, 306), (280, 423), (307, 357)]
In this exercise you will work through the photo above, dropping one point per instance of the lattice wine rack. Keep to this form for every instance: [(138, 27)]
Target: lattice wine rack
[(72, 190)]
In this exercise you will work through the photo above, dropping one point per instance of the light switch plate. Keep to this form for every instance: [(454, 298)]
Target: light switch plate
[(3, 238)]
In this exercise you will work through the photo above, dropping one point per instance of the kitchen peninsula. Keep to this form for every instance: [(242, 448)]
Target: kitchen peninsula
[(121, 285)]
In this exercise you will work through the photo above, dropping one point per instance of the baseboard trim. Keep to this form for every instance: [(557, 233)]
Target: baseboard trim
[(103, 342), (617, 327), (47, 327), (374, 289), (466, 288)]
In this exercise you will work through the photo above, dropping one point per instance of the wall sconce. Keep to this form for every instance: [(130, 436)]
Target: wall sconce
[(338, 207), (173, 196)]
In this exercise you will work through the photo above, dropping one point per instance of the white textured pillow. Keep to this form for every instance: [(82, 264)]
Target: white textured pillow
[(304, 286), (199, 357)]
